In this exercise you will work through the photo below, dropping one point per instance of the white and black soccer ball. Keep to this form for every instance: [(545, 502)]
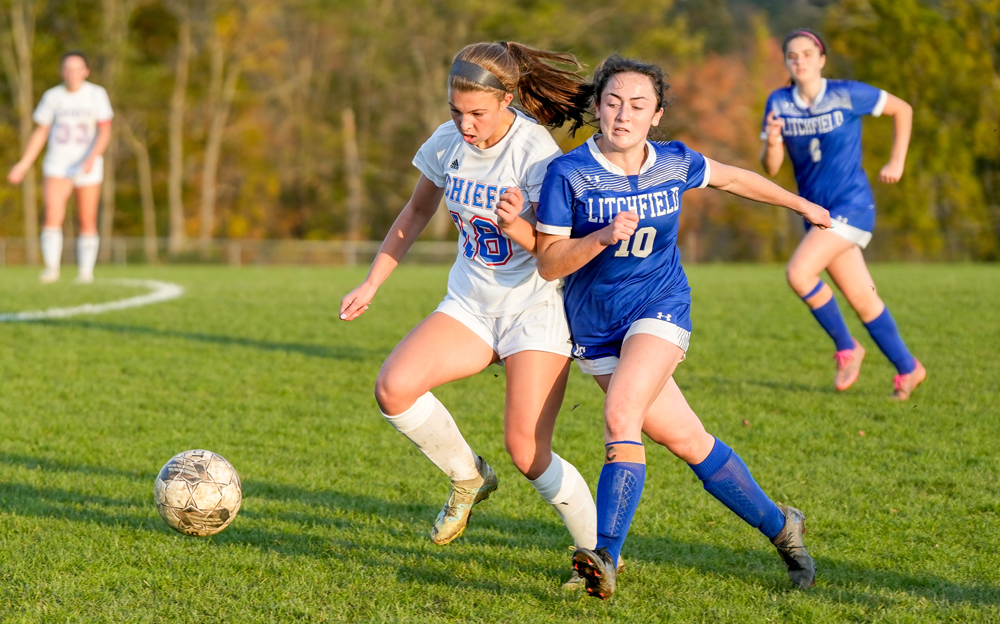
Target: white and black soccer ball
[(198, 493)]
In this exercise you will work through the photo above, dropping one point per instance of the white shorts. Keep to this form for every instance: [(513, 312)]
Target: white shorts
[(75, 173), (542, 327), (654, 327), (857, 236)]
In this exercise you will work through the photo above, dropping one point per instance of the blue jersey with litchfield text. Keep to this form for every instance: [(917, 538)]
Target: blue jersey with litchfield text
[(582, 193), (824, 140)]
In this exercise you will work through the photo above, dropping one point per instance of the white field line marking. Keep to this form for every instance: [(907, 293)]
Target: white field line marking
[(162, 291)]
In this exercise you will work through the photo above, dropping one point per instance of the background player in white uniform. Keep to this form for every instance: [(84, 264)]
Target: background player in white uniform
[(75, 119), (488, 164), (608, 219), (819, 122)]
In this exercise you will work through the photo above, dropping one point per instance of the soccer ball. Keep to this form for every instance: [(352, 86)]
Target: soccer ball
[(198, 493)]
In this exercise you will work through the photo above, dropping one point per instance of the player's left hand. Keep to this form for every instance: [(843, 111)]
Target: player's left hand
[(509, 207), (88, 164), (891, 173)]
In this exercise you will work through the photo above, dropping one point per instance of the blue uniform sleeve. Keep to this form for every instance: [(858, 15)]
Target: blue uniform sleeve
[(866, 99), (699, 169), (555, 203)]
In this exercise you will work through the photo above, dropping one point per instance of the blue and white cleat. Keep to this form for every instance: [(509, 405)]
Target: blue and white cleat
[(455, 514)]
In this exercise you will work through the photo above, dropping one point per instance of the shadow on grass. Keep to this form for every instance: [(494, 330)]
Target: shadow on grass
[(343, 527), (346, 352)]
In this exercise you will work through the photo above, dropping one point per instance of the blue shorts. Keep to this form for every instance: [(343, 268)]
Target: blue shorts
[(853, 222), (668, 318)]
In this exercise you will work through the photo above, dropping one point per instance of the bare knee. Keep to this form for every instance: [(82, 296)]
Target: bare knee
[(529, 457), (799, 278), (394, 393)]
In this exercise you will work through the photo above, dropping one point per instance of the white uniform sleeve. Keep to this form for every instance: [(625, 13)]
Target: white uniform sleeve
[(103, 104), (542, 153), (45, 113), (428, 160)]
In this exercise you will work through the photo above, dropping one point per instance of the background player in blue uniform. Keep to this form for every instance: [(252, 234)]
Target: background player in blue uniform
[(607, 219), (819, 121)]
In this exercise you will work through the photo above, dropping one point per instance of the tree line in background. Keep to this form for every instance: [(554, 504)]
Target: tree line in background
[(299, 118)]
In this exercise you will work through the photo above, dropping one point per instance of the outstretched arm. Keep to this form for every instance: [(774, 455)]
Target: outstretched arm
[(752, 186), (408, 225), (31, 152), (902, 114)]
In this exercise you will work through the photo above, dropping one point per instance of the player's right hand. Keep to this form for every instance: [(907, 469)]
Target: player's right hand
[(817, 215), (16, 174), (621, 228), (357, 301), (774, 126)]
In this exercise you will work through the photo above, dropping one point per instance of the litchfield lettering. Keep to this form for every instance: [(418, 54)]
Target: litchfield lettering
[(658, 204), (808, 126)]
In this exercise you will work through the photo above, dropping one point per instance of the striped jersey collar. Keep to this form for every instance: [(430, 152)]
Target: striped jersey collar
[(819, 96), (613, 168)]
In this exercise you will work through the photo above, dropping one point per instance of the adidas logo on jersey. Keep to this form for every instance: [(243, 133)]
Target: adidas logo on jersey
[(454, 165)]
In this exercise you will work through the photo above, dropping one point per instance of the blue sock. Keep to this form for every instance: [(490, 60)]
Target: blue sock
[(618, 492), (728, 479), (832, 321), (884, 332)]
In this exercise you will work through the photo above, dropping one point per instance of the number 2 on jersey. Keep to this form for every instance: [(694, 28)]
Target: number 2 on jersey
[(642, 244), (490, 243)]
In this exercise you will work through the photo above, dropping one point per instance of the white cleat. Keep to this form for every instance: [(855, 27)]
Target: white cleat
[(49, 276), (454, 517), (84, 278)]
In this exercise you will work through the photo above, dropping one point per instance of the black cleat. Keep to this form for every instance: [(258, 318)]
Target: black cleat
[(801, 568), (598, 571)]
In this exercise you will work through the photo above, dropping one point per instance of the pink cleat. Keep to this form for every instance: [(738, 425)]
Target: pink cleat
[(904, 385), (848, 366)]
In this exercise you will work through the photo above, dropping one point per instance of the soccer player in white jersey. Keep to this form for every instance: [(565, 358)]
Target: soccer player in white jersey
[(607, 221), (819, 122), (488, 163), (75, 119)]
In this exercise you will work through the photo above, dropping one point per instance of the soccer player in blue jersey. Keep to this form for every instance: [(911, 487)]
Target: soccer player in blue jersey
[(819, 122), (607, 220)]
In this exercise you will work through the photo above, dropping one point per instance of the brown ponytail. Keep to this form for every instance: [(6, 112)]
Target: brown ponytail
[(549, 93)]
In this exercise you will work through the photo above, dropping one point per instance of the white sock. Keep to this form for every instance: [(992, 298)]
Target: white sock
[(86, 253), (432, 429), (52, 247), (563, 487)]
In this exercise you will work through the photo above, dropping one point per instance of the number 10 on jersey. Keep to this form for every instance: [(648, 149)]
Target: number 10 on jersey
[(487, 241), (641, 242)]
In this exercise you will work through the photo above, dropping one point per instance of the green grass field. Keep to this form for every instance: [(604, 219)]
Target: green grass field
[(904, 520)]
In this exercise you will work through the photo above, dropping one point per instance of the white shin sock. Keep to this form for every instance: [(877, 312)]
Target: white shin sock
[(429, 425), (562, 486), (52, 247), (86, 253)]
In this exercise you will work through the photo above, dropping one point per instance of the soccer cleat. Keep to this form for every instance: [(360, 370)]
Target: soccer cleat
[(576, 581), (455, 514), (84, 278), (49, 276), (904, 385), (848, 366), (597, 570), (801, 568)]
